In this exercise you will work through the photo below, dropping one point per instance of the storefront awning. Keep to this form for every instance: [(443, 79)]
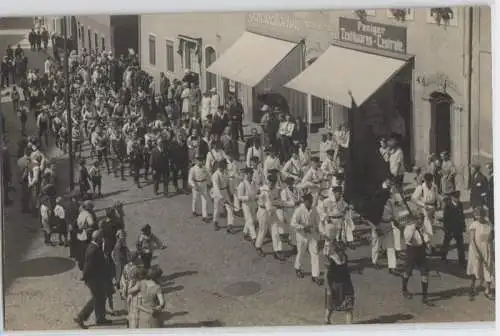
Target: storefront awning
[(340, 70), (251, 58)]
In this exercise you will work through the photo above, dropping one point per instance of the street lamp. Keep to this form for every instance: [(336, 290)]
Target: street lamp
[(68, 104)]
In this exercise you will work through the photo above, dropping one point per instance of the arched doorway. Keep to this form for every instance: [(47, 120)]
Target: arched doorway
[(440, 132), (210, 57)]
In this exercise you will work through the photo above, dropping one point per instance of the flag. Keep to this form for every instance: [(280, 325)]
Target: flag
[(365, 169)]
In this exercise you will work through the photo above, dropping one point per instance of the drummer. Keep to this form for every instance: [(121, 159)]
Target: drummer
[(313, 179), (292, 168)]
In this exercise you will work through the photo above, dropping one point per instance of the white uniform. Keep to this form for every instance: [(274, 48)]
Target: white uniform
[(198, 179), (233, 171), (267, 217), (312, 181), (292, 169), (247, 195), (427, 199), (336, 221), (306, 224), (387, 236), (220, 193), (289, 199)]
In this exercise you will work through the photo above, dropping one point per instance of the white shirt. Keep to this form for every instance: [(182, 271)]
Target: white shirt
[(271, 163), (220, 184), (59, 212), (423, 195), (47, 65), (247, 191), (303, 218), (198, 175), (413, 237), (44, 212), (396, 162), (292, 169), (286, 128), (253, 151)]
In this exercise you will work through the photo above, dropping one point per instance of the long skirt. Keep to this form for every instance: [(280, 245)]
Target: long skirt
[(341, 297)]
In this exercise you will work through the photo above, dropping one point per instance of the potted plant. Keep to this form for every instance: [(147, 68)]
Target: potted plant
[(399, 14), (361, 14), (442, 15)]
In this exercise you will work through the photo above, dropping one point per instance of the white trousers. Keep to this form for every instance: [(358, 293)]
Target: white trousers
[(249, 217), (219, 204), (268, 221), (200, 195), (384, 240), (305, 243), (284, 216)]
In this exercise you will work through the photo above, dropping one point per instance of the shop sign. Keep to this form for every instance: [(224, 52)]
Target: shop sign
[(373, 35), (288, 22)]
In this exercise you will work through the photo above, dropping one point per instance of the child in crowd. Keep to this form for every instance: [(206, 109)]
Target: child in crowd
[(96, 178)]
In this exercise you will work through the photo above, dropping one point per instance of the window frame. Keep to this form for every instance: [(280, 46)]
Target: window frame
[(410, 14), (452, 23), (152, 54), (169, 59)]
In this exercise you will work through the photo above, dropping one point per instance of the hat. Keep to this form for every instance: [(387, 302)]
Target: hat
[(87, 205), (146, 227), (264, 108), (58, 199), (272, 177), (330, 152)]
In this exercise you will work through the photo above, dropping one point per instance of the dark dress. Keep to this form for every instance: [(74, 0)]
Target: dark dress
[(342, 291)]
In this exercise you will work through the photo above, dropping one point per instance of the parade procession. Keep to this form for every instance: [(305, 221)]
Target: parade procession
[(306, 207)]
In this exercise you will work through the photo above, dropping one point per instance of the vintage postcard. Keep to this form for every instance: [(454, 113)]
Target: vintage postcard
[(247, 169)]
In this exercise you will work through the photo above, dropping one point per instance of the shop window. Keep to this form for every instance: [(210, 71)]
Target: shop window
[(445, 16), (152, 50), (317, 110), (210, 57), (401, 14), (169, 52)]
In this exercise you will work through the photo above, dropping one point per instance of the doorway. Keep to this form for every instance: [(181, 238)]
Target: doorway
[(440, 132)]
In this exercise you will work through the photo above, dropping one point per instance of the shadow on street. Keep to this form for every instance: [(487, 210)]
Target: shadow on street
[(386, 319)]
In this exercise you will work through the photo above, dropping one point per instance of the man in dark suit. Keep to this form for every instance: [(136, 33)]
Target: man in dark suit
[(454, 226), (160, 167), (179, 152), (96, 276), (478, 187)]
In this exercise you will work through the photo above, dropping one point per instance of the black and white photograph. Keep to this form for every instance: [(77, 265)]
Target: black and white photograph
[(247, 169)]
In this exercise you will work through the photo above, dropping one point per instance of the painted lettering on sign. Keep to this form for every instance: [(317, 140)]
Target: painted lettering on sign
[(373, 35), (277, 20)]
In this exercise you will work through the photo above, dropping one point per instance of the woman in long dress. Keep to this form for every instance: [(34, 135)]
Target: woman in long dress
[(339, 290), (129, 286), (151, 301), (480, 264)]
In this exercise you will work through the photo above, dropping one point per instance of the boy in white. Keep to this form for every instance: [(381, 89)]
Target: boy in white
[(198, 179), (290, 199), (292, 168), (233, 171), (305, 221), (220, 194), (313, 179), (247, 195), (426, 197), (269, 201)]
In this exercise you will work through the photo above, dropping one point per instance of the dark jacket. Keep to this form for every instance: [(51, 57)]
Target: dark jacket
[(159, 160), (478, 189), (95, 268), (179, 153), (453, 217)]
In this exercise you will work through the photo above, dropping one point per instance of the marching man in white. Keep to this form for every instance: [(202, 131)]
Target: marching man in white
[(247, 195), (269, 201), (220, 194), (198, 179), (313, 179), (426, 197), (386, 233), (233, 171), (292, 169), (336, 218), (305, 221), (290, 199)]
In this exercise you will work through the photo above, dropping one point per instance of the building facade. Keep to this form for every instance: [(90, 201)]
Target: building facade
[(117, 32), (172, 43), (443, 90)]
